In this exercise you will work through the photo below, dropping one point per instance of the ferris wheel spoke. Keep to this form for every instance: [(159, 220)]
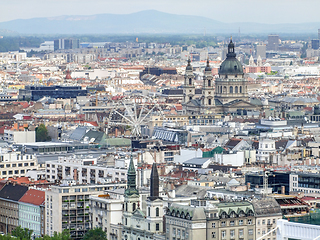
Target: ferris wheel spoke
[(124, 116), (144, 117), (129, 110)]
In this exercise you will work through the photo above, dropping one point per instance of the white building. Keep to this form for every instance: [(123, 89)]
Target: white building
[(25, 136), (235, 159), (266, 151), (16, 164), (82, 172)]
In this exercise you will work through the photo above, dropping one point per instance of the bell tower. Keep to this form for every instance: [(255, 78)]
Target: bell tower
[(131, 196), (208, 88), (154, 203), (188, 87)]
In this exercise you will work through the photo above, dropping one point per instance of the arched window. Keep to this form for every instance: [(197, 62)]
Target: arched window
[(240, 89), (209, 83), (236, 89), (126, 206), (190, 98), (157, 212), (209, 101), (133, 207), (231, 89), (149, 211), (190, 81), (224, 89)]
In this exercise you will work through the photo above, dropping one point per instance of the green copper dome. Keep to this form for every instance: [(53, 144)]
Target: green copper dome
[(231, 65)]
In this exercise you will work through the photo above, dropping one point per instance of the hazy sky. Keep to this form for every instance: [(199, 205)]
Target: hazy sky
[(262, 11)]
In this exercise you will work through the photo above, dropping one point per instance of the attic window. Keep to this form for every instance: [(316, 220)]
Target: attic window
[(235, 67), (194, 193)]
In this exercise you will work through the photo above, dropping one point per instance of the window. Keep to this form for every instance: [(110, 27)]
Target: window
[(126, 222), (223, 224), (26, 164), (223, 234), (213, 234), (250, 231), (7, 165), (240, 222), (178, 232), (240, 232), (274, 221), (14, 165), (133, 207), (183, 233), (4, 172), (249, 221), (157, 212), (209, 101), (258, 222), (263, 222), (158, 227), (231, 223), (213, 225), (209, 83), (32, 164), (232, 233), (65, 190), (20, 165)]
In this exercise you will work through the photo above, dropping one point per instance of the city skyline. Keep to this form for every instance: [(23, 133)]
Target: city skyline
[(283, 11)]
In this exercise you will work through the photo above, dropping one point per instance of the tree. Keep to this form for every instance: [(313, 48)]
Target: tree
[(65, 235), (22, 233), (42, 134), (95, 234)]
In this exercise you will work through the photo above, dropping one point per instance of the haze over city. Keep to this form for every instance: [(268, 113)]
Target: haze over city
[(271, 11)]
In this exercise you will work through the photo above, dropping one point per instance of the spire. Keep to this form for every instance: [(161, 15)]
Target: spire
[(189, 67), (154, 183), (131, 179)]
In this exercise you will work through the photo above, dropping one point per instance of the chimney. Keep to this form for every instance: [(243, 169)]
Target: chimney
[(283, 190)]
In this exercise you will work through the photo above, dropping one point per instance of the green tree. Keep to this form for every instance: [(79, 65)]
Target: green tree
[(22, 233), (42, 134), (65, 235), (95, 234)]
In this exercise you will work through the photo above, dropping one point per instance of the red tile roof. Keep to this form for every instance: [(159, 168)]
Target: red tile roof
[(33, 196)]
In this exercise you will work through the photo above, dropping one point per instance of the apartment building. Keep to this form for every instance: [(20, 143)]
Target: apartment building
[(106, 213), (10, 194), (68, 207), (15, 163), (83, 171), (32, 212)]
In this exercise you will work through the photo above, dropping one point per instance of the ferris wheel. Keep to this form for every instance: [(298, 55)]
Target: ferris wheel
[(134, 112)]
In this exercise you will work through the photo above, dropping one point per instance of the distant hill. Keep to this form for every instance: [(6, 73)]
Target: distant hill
[(149, 21)]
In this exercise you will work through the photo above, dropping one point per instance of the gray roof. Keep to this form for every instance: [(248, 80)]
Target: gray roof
[(197, 161), (266, 206)]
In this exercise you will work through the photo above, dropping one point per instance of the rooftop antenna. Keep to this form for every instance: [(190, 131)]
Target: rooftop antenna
[(265, 183)]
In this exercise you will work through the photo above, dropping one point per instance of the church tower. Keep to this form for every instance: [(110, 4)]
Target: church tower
[(154, 204), (231, 84), (131, 196), (208, 89), (188, 87)]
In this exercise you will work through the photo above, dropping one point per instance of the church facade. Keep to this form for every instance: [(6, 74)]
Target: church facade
[(139, 223), (228, 94)]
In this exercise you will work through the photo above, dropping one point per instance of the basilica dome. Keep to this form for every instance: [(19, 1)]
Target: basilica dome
[(231, 64)]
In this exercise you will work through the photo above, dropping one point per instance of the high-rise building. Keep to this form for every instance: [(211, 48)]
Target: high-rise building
[(315, 44), (261, 51), (273, 42), (319, 33), (60, 44)]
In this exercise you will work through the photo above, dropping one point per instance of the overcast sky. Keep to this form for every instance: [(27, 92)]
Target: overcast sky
[(262, 11)]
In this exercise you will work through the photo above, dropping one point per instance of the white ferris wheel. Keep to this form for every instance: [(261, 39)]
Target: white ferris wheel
[(133, 113)]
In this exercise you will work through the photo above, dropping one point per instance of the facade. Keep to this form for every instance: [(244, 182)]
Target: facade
[(82, 171), (233, 220), (267, 213), (68, 207), (60, 44), (142, 221), (10, 194), (106, 213), (16, 136), (266, 151), (16, 164), (273, 42), (32, 212), (35, 93)]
